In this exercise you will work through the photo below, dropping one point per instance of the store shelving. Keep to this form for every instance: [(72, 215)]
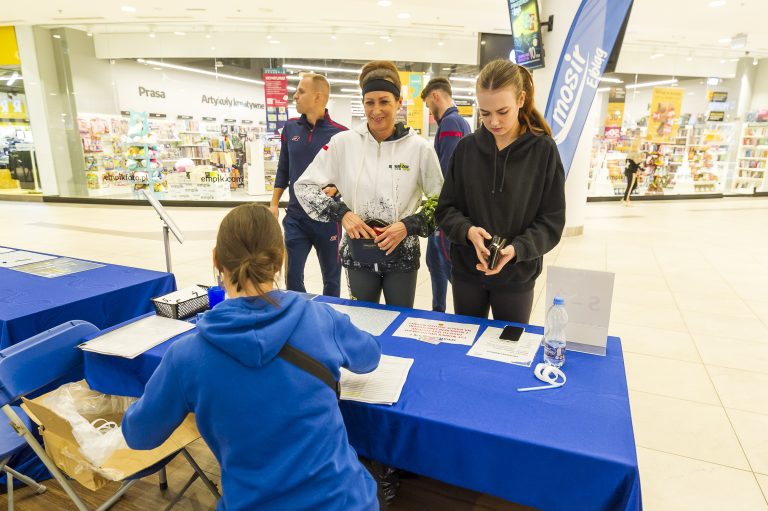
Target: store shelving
[(750, 174)]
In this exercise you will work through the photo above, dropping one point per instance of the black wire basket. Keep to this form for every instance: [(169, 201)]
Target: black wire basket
[(184, 309)]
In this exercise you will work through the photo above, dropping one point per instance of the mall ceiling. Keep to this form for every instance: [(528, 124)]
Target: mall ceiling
[(690, 27)]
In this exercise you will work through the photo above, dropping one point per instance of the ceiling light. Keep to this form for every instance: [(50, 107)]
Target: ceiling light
[(157, 68), (355, 91), (269, 36), (611, 80), (717, 3), (369, 43), (713, 81), (12, 79), (403, 15), (734, 60), (291, 88), (722, 61), (673, 81), (344, 96), (463, 79), (56, 36), (152, 35), (333, 36), (274, 41), (440, 43), (89, 33), (724, 40), (739, 41), (384, 3), (462, 97), (127, 8), (688, 58), (207, 36), (140, 61), (179, 33), (754, 61), (657, 55), (320, 68), (200, 71)]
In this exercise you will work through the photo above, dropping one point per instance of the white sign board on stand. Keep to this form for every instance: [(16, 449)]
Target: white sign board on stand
[(588, 295)]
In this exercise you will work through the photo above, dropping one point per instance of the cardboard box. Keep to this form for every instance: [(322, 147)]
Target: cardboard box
[(61, 446)]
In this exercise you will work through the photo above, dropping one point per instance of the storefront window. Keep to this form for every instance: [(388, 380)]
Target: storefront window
[(18, 165)]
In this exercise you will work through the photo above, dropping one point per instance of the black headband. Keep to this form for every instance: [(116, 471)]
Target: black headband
[(380, 84)]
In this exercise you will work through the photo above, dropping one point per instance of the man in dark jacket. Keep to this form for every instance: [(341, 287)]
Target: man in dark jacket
[(302, 138), (437, 95)]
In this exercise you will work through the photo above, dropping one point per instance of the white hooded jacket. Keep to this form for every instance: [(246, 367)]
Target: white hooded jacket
[(378, 180)]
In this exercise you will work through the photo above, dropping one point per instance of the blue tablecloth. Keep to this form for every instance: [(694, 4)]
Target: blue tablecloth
[(461, 420), (104, 296)]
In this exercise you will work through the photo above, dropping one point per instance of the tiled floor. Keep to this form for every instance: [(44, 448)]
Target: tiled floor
[(690, 304)]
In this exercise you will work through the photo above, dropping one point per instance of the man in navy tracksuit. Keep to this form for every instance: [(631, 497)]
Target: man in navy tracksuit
[(451, 127), (302, 138)]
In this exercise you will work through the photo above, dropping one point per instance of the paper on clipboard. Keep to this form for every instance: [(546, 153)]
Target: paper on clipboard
[(135, 338)]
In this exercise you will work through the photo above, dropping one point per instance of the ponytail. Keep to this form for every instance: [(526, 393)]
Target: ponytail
[(529, 116)]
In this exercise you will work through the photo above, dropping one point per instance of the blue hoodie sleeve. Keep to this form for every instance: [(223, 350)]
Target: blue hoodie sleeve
[(152, 419), (360, 350)]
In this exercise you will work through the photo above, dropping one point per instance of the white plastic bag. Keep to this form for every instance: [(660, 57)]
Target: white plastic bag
[(85, 410)]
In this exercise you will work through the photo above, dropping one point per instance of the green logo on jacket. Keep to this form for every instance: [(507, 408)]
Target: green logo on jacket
[(400, 166)]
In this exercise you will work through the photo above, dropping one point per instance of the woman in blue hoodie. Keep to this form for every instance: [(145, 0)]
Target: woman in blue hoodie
[(275, 429)]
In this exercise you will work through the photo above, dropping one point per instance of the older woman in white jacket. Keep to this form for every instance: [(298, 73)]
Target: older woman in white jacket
[(382, 170)]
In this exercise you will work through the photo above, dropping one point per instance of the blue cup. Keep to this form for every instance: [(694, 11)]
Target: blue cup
[(215, 295)]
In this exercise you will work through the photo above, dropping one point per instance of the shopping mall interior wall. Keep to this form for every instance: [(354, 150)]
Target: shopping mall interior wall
[(760, 94), (92, 78)]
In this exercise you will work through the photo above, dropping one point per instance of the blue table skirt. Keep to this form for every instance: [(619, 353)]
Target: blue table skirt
[(104, 296), (461, 420)]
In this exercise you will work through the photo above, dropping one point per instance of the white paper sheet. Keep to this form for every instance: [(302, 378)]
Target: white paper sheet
[(368, 319), (19, 257), (182, 295), (435, 332), (4, 250), (58, 267), (522, 352), (133, 339), (382, 386)]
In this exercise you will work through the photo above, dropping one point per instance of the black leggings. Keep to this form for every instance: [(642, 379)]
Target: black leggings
[(475, 300), (630, 186), (399, 287)]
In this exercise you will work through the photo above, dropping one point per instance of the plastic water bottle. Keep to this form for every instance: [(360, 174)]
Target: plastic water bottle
[(554, 333)]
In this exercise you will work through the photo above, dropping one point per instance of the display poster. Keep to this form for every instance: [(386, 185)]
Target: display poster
[(615, 115), (715, 96), (590, 42), (664, 118), (526, 33), (715, 116), (9, 49), (412, 112), (276, 99), (12, 107)]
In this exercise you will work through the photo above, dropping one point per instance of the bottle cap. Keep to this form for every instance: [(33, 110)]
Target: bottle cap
[(559, 300)]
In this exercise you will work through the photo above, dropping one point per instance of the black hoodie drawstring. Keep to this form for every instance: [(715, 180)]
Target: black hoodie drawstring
[(503, 169)]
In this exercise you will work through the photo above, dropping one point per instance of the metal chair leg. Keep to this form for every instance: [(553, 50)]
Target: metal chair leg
[(21, 429), (163, 479), (179, 495), (208, 483), (39, 488), (117, 495)]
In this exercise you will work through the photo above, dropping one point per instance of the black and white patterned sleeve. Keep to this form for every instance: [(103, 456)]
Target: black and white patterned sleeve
[(309, 187)]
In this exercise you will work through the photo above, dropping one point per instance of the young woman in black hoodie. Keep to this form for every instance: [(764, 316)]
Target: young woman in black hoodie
[(505, 179)]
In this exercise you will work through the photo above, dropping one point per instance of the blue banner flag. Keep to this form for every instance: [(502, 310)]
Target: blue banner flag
[(585, 54)]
